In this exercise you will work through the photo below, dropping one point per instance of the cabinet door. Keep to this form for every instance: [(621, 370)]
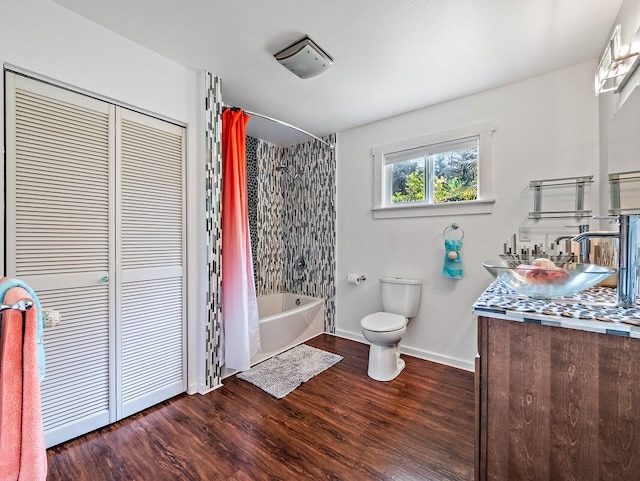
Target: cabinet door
[(557, 404), (59, 240), (151, 327)]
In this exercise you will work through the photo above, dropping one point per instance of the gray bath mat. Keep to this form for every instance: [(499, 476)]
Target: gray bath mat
[(283, 373)]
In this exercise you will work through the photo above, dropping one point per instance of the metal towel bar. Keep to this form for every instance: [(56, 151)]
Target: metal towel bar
[(21, 305)]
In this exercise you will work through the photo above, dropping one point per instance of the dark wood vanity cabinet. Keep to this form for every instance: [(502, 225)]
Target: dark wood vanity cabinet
[(556, 404)]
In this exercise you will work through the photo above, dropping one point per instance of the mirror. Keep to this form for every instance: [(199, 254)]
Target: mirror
[(624, 153), (624, 136)]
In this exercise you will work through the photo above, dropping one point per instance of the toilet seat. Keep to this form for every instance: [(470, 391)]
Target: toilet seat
[(383, 322)]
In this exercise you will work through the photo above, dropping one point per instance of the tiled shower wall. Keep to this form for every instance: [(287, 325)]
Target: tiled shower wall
[(294, 218), (252, 191), (269, 208), (213, 214)]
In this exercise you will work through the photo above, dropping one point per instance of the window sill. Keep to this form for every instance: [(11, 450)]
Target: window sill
[(432, 210)]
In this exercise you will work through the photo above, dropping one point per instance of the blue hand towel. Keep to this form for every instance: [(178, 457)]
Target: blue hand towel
[(4, 287), (452, 259)]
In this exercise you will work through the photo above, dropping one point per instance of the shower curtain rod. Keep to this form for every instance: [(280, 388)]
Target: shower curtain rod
[(331, 146)]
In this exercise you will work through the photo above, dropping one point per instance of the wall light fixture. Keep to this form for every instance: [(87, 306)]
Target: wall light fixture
[(616, 65)]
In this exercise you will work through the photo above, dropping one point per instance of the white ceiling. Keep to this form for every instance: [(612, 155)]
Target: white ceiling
[(390, 56)]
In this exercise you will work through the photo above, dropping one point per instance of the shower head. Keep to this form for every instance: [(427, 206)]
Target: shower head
[(284, 168)]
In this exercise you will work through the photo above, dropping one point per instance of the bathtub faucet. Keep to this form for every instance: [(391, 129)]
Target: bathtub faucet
[(299, 266)]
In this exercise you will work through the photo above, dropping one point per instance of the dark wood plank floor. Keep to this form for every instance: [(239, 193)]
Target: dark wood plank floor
[(340, 425)]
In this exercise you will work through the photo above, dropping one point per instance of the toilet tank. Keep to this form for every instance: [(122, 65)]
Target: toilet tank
[(400, 296)]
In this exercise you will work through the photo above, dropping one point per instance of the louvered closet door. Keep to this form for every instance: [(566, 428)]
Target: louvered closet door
[(152, 350), (59, 240)]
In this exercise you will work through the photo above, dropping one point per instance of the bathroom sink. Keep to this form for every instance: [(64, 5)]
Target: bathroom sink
[(543, 280)]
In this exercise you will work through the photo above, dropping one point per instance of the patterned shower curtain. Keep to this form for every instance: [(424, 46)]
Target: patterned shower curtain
[(239, 306)]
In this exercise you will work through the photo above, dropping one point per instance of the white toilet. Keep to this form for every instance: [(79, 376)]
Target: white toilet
[(400, 301)]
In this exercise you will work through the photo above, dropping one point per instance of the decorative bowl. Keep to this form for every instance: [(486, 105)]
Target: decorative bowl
[(544, 282)]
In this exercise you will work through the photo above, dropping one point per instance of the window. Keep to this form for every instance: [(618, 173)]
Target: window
[(432, 174), (444, 172)]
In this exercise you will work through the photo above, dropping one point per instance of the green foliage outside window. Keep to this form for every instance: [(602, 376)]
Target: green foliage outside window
[(453, 190), (455, 178), (413, 188)]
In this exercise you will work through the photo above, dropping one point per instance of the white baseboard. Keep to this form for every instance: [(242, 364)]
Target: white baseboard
[(351, 335), (203, 389), (412, 351), (439, 358), (193, 388)]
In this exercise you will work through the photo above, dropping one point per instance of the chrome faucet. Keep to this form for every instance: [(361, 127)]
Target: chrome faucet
[(627, 256), (584, 242), (563, 237)]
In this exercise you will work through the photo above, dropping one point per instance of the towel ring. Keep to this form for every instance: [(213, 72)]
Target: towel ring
[(453, 227)]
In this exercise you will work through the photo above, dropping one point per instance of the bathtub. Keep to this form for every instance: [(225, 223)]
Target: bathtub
[(287, 320)]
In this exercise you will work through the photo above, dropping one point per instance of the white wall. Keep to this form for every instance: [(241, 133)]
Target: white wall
[(45, 38), (547, 127)]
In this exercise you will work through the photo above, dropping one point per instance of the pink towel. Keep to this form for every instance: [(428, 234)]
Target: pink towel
[(22, 453)]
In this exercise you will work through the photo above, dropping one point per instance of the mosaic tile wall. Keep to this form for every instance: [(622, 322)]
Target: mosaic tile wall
[(252, 191), (296, 219), (213, 179), (269, 209)]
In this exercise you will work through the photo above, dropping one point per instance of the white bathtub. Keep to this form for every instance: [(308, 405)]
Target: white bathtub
[(287, 320)]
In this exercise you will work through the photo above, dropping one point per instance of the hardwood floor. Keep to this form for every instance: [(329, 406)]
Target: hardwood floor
[(340, 425)]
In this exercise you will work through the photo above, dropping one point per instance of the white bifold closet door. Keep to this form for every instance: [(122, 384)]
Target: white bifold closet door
[(150, 275), (94, 223)]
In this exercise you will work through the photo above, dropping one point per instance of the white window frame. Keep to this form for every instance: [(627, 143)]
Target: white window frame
[(382, 208)]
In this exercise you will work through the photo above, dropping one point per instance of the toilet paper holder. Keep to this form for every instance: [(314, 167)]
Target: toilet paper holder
[(355, 279)]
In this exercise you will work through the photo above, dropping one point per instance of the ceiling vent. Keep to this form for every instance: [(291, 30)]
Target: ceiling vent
[(304, 58)]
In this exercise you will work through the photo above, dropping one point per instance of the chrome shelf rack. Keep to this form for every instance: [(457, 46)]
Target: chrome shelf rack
[(615, 180), (578, 183)]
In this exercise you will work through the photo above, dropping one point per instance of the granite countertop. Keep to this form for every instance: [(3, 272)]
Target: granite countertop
[(590, 310)]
